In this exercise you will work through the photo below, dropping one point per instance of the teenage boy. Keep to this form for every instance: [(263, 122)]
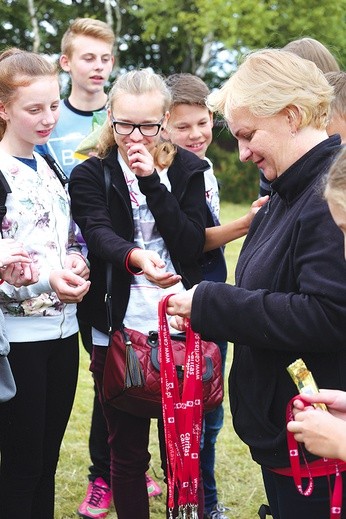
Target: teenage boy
[(87, 56), (190, 126)]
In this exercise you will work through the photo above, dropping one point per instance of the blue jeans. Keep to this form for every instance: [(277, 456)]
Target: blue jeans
[(213, 422)]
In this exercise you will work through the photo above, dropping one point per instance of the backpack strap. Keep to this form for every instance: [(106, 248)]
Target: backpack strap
[(53, 164), (4, 190)]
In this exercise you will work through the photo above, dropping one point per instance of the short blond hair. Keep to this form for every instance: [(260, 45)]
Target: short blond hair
[(86, 27), (270, 80), (335, 183)]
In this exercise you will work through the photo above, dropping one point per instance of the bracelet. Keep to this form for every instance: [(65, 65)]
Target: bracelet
[(127, 266), (86, 261)]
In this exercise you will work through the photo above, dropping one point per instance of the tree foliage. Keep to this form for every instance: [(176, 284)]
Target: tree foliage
[(175, 35), (198, 36)]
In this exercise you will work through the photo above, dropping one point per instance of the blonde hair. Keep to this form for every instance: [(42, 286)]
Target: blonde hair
[(314, 50), (137, 82), (20, 68), (86, 27), (270, 80), (335, 182)]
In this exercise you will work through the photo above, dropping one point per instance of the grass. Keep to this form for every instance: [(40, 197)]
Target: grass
[(238, 477)]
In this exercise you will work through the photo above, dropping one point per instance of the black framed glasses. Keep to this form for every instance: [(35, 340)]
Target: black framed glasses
[(146, 129)]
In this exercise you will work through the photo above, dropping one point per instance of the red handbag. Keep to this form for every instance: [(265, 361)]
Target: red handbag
[(131, 379)]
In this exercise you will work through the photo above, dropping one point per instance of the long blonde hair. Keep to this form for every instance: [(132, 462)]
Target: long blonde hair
[(138, 82)]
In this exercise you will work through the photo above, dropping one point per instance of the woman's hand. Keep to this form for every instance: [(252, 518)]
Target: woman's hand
[(140, 160), (74, 261), (68, 286), (181, 304)]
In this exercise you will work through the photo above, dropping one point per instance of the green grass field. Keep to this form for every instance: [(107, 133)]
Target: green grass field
[(238, 477)]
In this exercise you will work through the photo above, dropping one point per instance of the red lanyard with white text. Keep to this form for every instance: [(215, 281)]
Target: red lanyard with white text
[(182, 417), (325, 467)]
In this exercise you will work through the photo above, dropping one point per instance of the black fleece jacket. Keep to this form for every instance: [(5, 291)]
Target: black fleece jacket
[(180, 217), (289, 302)]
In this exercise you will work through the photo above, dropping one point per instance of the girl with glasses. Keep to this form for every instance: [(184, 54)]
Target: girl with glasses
[(152, 230)]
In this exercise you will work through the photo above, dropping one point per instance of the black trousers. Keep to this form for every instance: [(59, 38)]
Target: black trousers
[(98, 437), (33, 423), (287, 503)]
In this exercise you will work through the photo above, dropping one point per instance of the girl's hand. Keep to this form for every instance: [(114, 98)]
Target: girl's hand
[(20, 274), (74, 261), (140, 159), (153, 268), (16, 266), (69, 287), (12, 251), (322, 433)]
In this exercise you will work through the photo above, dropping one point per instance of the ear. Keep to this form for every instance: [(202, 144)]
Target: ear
[(294, 118), (165, 120), (164, 127), (64, 63), (3, 114), (109, 117), (211, 119)]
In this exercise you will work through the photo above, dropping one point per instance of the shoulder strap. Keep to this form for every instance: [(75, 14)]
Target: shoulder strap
[(4, 190), (108, 296), (56, 168)]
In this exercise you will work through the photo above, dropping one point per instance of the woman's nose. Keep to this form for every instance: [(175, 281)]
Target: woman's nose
[(244, 152)]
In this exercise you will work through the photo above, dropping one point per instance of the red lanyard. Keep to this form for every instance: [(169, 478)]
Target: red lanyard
[(182, 417), (321, 467)]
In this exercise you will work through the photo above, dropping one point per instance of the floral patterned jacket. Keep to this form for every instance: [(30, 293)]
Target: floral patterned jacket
[(38, 215)]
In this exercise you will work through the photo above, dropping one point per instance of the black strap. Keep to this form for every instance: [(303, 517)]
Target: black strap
[(4, 190), (56, 168), (108, 296)]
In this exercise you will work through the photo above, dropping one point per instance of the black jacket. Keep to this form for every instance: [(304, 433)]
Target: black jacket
[(289, 302), (180, 217)]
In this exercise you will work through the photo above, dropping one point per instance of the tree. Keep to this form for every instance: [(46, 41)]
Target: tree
[(197, 36)]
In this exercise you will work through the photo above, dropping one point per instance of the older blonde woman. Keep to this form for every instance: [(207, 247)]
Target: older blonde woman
[(324, 434), (289, 300)]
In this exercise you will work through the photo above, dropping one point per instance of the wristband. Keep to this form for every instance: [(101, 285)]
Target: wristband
[(127, 266)]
